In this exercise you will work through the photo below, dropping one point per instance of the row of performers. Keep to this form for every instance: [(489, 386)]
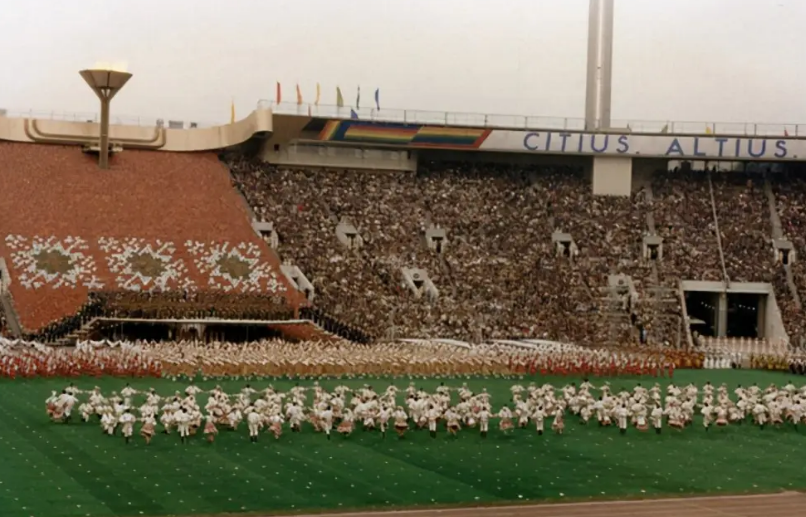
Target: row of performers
[(32, 362)]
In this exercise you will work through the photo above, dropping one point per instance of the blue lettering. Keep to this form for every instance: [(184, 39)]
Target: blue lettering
[(738, 143), (548, 142), (721, 142), (624, 144), (750, 148), (781, 146), (564, 136), (579, 144), (674, 147), (527, 141), (600, 149), (697, 151)]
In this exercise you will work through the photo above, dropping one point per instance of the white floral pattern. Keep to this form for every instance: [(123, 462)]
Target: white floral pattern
[(168, 270), (52, 262), (211, 259)]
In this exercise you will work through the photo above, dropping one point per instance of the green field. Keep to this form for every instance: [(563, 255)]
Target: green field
[(52, 469)]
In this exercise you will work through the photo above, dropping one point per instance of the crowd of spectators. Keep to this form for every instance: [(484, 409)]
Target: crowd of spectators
[(790, 196), (498, 275), (684, 219), (791, 314), (744, 224)]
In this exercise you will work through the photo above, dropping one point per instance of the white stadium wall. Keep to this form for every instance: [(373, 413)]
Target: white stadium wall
[(651, 146)]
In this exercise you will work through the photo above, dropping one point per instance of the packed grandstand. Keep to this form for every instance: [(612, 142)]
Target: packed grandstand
[(171, 237)]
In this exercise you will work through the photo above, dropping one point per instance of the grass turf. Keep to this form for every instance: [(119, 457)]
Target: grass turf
[(51, 469)]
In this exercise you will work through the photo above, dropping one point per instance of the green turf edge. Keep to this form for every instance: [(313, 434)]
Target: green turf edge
[(503, 504)]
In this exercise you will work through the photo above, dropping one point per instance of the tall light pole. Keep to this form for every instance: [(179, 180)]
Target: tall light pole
[(600, 65), (106, 84)]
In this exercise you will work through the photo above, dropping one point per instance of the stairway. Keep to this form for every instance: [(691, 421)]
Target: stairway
[(664, 305), (662, 302), (12, 319), (778, 234), (616, 320), (80, 334)]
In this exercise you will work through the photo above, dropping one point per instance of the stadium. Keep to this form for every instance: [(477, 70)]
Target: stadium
[(350, 310)]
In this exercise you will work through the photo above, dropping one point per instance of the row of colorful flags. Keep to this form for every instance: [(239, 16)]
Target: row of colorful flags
[(278, 98)]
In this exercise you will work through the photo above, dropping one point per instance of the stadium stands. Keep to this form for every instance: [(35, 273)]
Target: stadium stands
[(684, 219), (790, 195), (744, 223), (522, 250), (498, 274)]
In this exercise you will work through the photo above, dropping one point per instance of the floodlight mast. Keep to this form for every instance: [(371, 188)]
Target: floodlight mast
[(600, 65), (106, 84)]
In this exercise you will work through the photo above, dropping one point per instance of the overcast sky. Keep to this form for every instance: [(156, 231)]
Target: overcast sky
[(688, 60)]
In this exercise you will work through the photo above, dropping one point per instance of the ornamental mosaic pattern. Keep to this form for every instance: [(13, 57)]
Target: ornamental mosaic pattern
[(140, 265), (52, 262), (234, 267)]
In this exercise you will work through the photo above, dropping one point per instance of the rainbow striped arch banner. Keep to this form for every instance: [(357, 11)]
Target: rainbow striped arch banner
[(410, 135)]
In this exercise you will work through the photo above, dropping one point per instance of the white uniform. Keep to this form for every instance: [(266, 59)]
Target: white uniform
[(539, 417), (326, 421), (254, 421), (66, 402), (622, 417), (656, 417), (126, 421), (484, 420), (182, 420)]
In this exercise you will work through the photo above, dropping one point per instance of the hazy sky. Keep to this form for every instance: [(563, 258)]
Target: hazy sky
[(688, 60)]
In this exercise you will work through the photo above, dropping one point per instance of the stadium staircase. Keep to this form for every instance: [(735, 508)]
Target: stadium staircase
[(777, 234), (12, 319), (80, 334), (615, 316), (664, 302), (7, 302)]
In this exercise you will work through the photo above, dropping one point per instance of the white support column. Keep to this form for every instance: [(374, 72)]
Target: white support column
[(612, 175), (722, 314)]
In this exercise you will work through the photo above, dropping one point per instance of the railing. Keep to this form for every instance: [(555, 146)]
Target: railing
[(492, 121), (445, 118), (123, 120)]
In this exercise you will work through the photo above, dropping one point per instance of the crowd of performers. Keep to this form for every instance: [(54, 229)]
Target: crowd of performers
[(275, 358), (446, 409)]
